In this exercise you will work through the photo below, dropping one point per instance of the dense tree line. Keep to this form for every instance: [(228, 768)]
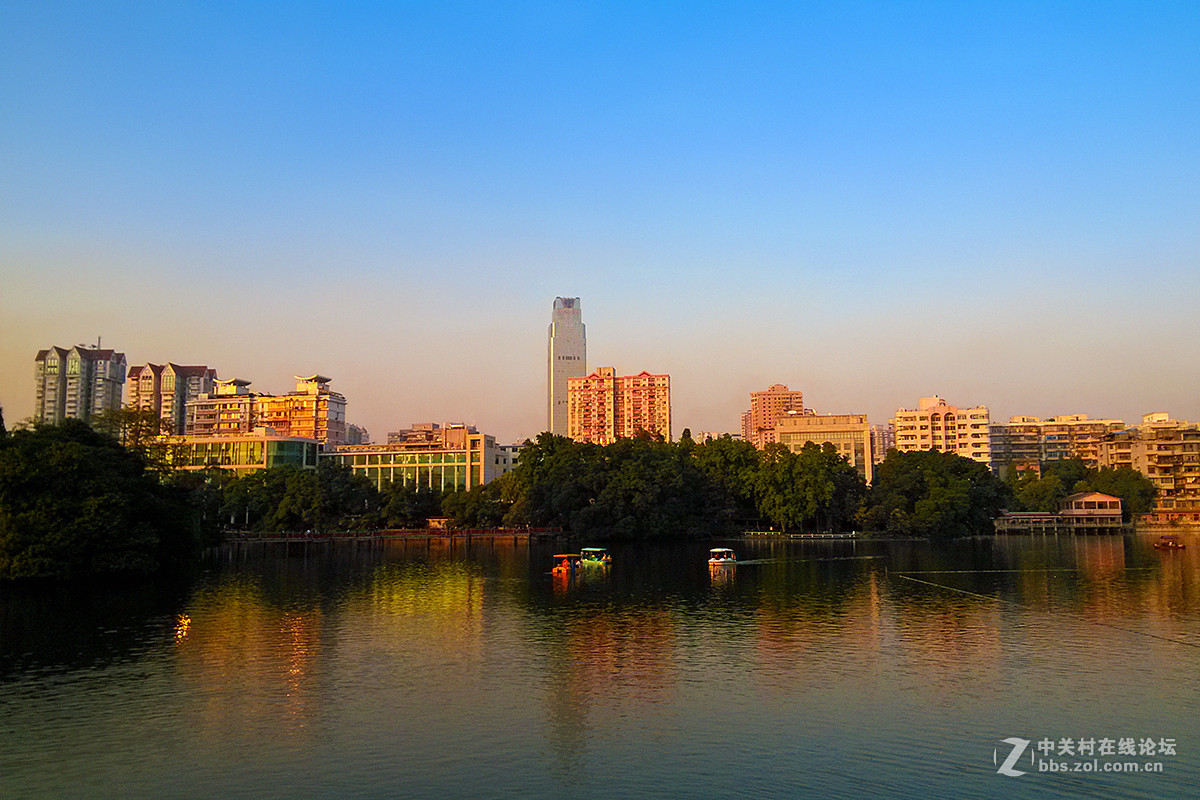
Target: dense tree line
[(1058, 479), (77, 501)]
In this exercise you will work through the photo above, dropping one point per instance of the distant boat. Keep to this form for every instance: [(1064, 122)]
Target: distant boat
[(594, 557), (565, 564), (721, 557), (1169, 542)]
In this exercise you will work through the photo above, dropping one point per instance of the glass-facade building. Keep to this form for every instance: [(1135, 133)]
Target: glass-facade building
[(457, 460), (242, 453)]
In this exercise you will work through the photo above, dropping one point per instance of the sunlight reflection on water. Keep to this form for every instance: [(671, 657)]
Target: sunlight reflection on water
[(433, 669)]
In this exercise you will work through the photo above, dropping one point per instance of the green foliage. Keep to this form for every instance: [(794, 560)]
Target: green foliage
[(1040, 494), (930, 493), (409, 506), (293, 499), (75, 503), (1137, 492), (815, 488), (731, 466)]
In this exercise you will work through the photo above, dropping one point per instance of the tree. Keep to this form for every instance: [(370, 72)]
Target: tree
[(930, 493), (1137, 492), (731, 467), (75, 503), (1040, 494), (814, 488)]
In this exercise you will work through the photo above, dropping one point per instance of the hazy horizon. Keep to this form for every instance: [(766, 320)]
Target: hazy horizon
[(867, 202)]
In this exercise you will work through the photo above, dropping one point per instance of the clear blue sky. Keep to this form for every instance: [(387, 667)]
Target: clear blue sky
[(871, 202)]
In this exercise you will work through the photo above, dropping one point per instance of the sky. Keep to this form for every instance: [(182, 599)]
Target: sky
[(871, 202)]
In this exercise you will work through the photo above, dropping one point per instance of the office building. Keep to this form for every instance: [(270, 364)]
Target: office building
[(937, 425), (77, 383), (604, 407), (850, 434), (566, 358), (241, 453), (440, 457)]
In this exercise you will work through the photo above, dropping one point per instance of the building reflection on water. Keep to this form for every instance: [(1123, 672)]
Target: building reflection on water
[(611, 645)]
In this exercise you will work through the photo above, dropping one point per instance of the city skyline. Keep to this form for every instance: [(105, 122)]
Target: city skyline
[(869, 204)]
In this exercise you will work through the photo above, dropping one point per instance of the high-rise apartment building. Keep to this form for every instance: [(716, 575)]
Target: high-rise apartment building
[(603, 407), (1167, 451), (766, 409), (166, 390), (937, 425), (566, 358), (77, 382), (1024, 443), (313, 411)]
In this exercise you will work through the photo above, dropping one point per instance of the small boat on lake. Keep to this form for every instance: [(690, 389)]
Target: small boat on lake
[(565, 564), (1169, 542), (594, 557), (721, 557)]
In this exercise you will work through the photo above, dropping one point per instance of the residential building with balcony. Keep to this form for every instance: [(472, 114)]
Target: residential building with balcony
[(1025, 443), (604, 407), (77, 383), (937, 425), (1167, 452), (166, 389), (313, 411)]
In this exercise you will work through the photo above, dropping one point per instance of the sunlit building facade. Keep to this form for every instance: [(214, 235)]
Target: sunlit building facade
[(937, 425), (166, 389), (566, 358), (850, 434), (313, 411), (604, 406), (77, 383), (1167, 452), (767, 408), (440, 457), (1024, 443), (241, 453)]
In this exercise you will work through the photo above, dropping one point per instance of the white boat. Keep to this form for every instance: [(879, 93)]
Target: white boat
[(721, 556)]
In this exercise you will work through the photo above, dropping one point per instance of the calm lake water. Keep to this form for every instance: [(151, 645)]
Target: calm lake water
[(438, 669)]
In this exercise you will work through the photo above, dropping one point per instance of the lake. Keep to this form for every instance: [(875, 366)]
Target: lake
[(988, 667)]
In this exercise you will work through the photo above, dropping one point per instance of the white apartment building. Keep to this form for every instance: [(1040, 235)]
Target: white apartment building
[(937, 425)]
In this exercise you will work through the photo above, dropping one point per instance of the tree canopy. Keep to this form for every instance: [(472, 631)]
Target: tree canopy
[(75, 503)]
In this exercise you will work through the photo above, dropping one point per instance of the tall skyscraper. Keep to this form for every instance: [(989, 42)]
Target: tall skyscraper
[(566, 357)]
